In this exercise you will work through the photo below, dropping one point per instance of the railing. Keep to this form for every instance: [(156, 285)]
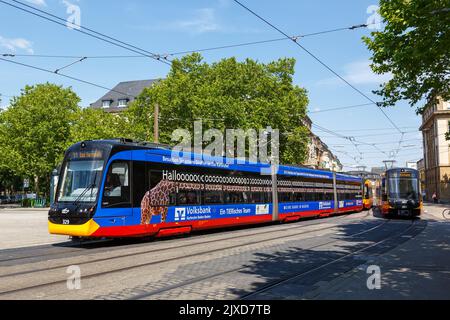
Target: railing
[(34, 203)]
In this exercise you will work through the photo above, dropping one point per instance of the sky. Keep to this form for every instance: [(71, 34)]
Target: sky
[(167, 27)]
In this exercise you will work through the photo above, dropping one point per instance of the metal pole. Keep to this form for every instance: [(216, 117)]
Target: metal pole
[(156, 124), (274, 193), (335, 193)]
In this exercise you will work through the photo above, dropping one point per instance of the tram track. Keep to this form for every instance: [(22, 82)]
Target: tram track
[(198, 237), (285, 279), (211, 276), (152, 263)]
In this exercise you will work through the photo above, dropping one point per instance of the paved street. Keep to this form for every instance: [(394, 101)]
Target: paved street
[(24, 227), (314, 259)]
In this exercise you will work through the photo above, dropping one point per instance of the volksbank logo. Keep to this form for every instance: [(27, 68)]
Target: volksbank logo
[(324, 205), (180, 214)]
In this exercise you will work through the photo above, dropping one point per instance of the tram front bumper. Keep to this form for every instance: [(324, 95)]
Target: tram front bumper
[(83, 230)]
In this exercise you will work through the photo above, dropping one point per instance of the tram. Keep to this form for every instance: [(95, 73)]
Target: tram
[(123, 188), (371, 188), (401, 194)]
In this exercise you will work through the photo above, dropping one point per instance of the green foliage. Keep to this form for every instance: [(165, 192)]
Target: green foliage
[(35, 129), (35, 123), (226, 95), (415, 48), (95, 124)]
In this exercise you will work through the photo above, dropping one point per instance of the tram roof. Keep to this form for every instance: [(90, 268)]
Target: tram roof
[(164, 153)]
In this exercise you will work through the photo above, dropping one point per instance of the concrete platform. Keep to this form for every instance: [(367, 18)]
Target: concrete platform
[(23, 227)]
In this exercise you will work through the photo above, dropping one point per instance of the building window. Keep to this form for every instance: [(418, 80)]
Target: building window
[(106, 103), (123, 103)]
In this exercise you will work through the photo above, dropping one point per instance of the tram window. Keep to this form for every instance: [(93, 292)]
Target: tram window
[(299, 197), (257, 197), (173, 198), (309, 196), (237, 197), (328, 196), (155, 177), (285, 197), (139, 183), (116, 193), (320, 196), (212, 197), (188, 197)]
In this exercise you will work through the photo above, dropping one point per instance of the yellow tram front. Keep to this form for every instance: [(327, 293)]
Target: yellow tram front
[(401, 193)]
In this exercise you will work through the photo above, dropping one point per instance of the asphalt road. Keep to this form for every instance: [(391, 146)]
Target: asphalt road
[(313, 259)]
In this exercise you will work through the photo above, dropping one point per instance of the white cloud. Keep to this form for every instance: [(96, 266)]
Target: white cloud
[(204, 20), (358, 73), (200, 21), (41, 3), (16, 43)]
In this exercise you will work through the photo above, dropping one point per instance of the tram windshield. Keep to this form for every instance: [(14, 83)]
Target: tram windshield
[(403, 188), (80, 180)]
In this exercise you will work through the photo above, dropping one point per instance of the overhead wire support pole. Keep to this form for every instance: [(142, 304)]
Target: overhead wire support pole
[(156, 124), (318, 60)]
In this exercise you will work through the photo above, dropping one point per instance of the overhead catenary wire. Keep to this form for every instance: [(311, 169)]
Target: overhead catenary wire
[(68, 77), (378, 134), (318, 60), (340, 108), (71, 64), (349, 138), (188, 51), (87, 31)]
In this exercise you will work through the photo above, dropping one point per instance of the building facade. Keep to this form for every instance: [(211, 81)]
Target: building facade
[(421, 169), (319, 155), (435, 126)]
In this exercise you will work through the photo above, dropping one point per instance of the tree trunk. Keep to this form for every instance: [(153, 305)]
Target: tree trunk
[(36, 186)]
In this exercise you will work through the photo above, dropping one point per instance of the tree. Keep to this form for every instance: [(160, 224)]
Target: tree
[(226, 95), (35, 130), (415, 48)]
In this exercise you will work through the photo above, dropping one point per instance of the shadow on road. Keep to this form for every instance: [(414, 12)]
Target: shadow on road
[(313, 267)]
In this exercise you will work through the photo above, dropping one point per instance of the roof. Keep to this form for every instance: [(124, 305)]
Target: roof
[(128, 90)]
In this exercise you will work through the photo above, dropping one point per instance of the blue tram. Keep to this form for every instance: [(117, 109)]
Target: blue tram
[(122, 188)]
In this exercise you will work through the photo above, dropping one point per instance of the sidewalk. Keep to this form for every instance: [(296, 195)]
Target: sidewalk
[(419, 268), (18, 208), (435, 210), (23, 227)]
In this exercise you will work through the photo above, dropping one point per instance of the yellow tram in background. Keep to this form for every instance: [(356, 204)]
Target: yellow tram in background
[(371, 188)]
